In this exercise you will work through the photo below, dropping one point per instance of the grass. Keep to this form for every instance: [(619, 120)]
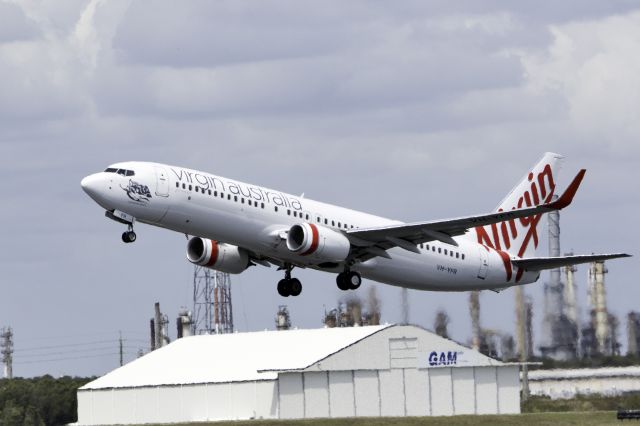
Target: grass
[(599, 418)]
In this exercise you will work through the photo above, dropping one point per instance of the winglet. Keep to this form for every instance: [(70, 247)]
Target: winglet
[(567, 196)]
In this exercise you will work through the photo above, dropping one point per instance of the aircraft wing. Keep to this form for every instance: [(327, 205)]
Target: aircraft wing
[(375, 241), (542, 263)]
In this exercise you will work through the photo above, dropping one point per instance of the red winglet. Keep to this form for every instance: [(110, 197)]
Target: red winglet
[(567, 197)]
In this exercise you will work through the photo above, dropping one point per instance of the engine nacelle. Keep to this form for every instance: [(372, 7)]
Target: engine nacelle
[(319, 243), (219, 256)]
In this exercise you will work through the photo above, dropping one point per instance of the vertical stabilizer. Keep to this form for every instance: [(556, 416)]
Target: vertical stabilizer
[(519, 237)]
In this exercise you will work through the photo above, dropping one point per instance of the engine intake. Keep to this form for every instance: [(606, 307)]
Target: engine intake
[(219, 256), (318, 243)]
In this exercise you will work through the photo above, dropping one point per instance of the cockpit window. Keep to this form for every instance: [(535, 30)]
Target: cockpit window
[(123, 172)]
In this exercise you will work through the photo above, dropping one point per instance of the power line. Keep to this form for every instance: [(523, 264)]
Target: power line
[(45, 354), (73, 358), (38, 348)]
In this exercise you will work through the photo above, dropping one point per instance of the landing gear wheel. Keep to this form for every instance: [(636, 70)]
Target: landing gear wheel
[(343, 283), (295, 287), (128, 236), (284, 288), (354, 279)]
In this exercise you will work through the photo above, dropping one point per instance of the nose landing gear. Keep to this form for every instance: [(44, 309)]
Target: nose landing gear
[(348, 280), (289, 286)]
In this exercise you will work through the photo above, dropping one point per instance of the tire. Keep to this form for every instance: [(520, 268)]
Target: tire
[(342, 282), (354, 279), (295, 286), (132, 236), (125, 237), (283, 288)]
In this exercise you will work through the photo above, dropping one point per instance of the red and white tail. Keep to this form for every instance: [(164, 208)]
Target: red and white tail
[(519, 237)]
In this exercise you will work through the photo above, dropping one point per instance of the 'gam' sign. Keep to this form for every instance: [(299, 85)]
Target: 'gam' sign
[(443, 358)]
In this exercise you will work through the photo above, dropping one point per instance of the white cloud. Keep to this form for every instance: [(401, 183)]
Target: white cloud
[(594, 67)]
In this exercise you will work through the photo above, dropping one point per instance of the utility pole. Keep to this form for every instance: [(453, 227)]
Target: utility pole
[(7, 352)]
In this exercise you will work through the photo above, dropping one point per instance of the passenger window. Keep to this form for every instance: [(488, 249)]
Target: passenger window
[(339, 225), (307, 216), (433, 248), (288, 212), (190, 187), (177, 184), (275, 208), (229, 197), (242, 200), (421, 246), (235, 198), (445, 252), (439, 250), (457, 255), (326, 221), (318, 218), (462, 256), (209, 192), (262, 205), (427, 246), (333, 223), (184, 186), (196, 189), (451, 253), (215, 193)]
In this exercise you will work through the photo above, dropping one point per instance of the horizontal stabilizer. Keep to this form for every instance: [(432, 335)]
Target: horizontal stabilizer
[(542, 263)]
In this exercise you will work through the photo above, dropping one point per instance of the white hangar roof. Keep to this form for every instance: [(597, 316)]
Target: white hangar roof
[(232, 357), (261, 355)]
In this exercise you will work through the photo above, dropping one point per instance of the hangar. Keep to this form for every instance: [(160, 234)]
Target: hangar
[(388, 370)]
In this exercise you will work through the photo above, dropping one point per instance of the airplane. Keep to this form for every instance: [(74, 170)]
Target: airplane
[(235, 225)]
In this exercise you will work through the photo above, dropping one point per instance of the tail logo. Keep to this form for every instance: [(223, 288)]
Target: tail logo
[(540, 191)]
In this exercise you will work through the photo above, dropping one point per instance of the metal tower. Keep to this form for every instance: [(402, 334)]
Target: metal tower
[(7, 351), (212, 308)]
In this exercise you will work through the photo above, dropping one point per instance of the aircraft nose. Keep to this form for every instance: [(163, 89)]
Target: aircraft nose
[(91, 185)]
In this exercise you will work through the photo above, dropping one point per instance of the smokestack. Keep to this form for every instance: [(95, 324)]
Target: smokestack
[(157, 322), (633, 334), (521, 324), (474, 308), (373, 306), (405, 306), (442, 323), (529, 327), (598, 299)]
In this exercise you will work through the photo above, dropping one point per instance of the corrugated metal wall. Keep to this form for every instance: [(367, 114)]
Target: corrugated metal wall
[(400, 392)]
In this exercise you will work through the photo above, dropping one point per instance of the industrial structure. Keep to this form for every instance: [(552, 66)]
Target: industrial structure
[(351, 312), (560, 335), (159, 326), (283, 318), (212, 307), (633, 334), (6, 350), (330, 372), (564, 384)]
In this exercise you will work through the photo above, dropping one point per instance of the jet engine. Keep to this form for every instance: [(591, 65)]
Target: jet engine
[(318, 243), (219, 256)]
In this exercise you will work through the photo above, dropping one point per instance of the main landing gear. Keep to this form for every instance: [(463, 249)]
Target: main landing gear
[(129, 236), (289, 286), (348, 280)]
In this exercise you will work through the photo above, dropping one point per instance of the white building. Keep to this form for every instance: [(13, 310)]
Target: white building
[(336, 372), (560, 384)]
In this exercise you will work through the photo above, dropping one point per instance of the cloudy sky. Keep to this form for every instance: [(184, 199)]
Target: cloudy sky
[(414, 110)]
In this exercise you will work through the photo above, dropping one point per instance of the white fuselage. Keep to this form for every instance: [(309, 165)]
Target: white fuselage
[(254, 218)]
